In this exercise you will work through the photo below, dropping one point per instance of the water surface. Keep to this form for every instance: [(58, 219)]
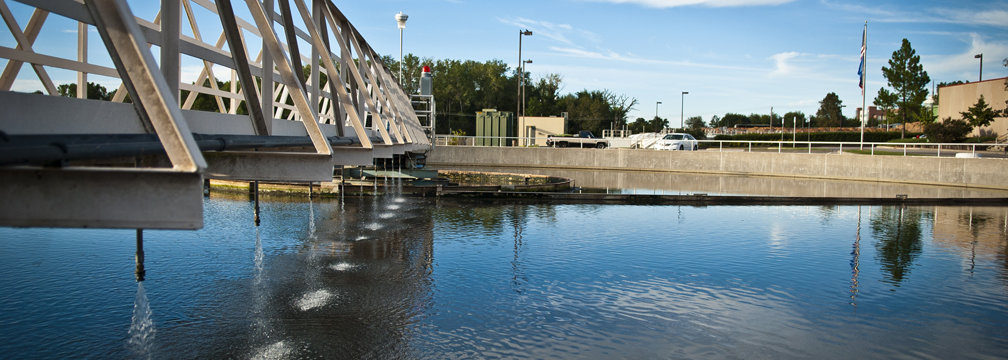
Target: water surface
[(394, 277)]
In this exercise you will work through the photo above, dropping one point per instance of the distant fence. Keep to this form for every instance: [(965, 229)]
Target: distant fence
[(833, 165), (868, 148)]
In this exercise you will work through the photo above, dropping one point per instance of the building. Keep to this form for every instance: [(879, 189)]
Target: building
[(874, 113), (956, 99), (535, 129)]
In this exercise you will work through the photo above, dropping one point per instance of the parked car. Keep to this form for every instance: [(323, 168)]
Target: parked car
[(584, 139), (677, 141)]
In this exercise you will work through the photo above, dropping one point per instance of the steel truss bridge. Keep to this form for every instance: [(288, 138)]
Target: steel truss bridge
[(139, 161)]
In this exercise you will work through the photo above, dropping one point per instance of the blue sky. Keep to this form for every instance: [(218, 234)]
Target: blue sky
[(742, 56)]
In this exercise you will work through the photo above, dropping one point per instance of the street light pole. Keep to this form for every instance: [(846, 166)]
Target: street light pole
[(980, 56), (682, 109), (521, 70), (656, 109), (400, 19), (523, 86)]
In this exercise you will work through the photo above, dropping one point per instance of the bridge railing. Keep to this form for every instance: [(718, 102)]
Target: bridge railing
[(343, 81), (810, 147)]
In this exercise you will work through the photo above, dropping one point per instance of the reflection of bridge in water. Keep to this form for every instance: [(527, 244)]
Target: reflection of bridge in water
[(140, 160)]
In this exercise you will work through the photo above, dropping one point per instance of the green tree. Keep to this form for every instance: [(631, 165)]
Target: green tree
[(830, 113), (980, 114), (207, 102), (657, 124), (594, 110), (94, 91), (909, 81), (541, 99), (948, 131), (729, 120), (695, 122), (794, 119), (886, 100), (638, 126), (758, 119), (412, 69), (619, 106)]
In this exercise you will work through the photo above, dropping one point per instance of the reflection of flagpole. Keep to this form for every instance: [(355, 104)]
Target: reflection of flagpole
[(856, 261), (864, 76), (974, 244)]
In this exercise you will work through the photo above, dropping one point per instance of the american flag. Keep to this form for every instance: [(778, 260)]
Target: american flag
[(861, 68)]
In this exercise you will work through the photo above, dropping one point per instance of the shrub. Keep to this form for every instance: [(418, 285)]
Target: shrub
[(874, 136), (948, 131)]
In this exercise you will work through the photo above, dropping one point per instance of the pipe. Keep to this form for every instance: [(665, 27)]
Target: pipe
[(140, 272), (255, 185), (56, 149)]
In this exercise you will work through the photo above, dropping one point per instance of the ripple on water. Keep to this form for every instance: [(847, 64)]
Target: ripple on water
[(343, 266), (277, 350), (387, 215), (373, 226), (314, 299)]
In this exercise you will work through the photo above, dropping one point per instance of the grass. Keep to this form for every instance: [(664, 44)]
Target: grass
[(882, 153)]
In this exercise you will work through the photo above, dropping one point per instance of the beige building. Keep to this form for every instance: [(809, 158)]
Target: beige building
[(535, 129), (955, 99)]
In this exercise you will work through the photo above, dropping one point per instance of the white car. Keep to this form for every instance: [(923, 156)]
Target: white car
[(676, 141)]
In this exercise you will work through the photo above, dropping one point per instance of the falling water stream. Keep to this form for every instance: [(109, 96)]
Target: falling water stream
[(141, 332)]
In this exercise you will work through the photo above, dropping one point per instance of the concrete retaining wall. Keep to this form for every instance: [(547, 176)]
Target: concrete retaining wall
[(963, 172)]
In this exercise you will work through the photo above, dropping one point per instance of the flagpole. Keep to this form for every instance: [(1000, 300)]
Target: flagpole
[(864, 82)]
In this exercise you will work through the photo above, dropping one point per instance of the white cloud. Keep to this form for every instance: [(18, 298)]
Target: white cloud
[(992, 16), (782, 63), (708, 3), (963, 65), (555, 31), (613, 56)]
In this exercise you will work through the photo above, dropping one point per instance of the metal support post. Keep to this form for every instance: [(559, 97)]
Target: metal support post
[(140, 272), (255, 197)]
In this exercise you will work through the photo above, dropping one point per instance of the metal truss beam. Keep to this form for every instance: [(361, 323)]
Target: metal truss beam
[(152, 96)]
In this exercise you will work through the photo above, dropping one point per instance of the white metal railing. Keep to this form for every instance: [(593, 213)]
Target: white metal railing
[(810, 147)]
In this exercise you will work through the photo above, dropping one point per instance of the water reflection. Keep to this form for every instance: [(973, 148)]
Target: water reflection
[(897, 231), (975, 233), (856, 261), (363, 280), (518, 221), (448, 278), (650, 182)]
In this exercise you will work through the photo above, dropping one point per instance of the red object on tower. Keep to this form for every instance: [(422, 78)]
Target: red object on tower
[(426, 81)]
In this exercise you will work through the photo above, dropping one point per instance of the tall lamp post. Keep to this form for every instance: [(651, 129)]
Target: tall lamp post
[(656, 108), (400, 19), (521, 70), (682, 109), (523, 86), (980, 56)]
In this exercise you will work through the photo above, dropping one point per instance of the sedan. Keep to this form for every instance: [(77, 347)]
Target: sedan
[(676, 141)]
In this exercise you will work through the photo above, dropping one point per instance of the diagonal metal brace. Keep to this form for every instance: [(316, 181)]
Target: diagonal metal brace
[(151, 94)]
